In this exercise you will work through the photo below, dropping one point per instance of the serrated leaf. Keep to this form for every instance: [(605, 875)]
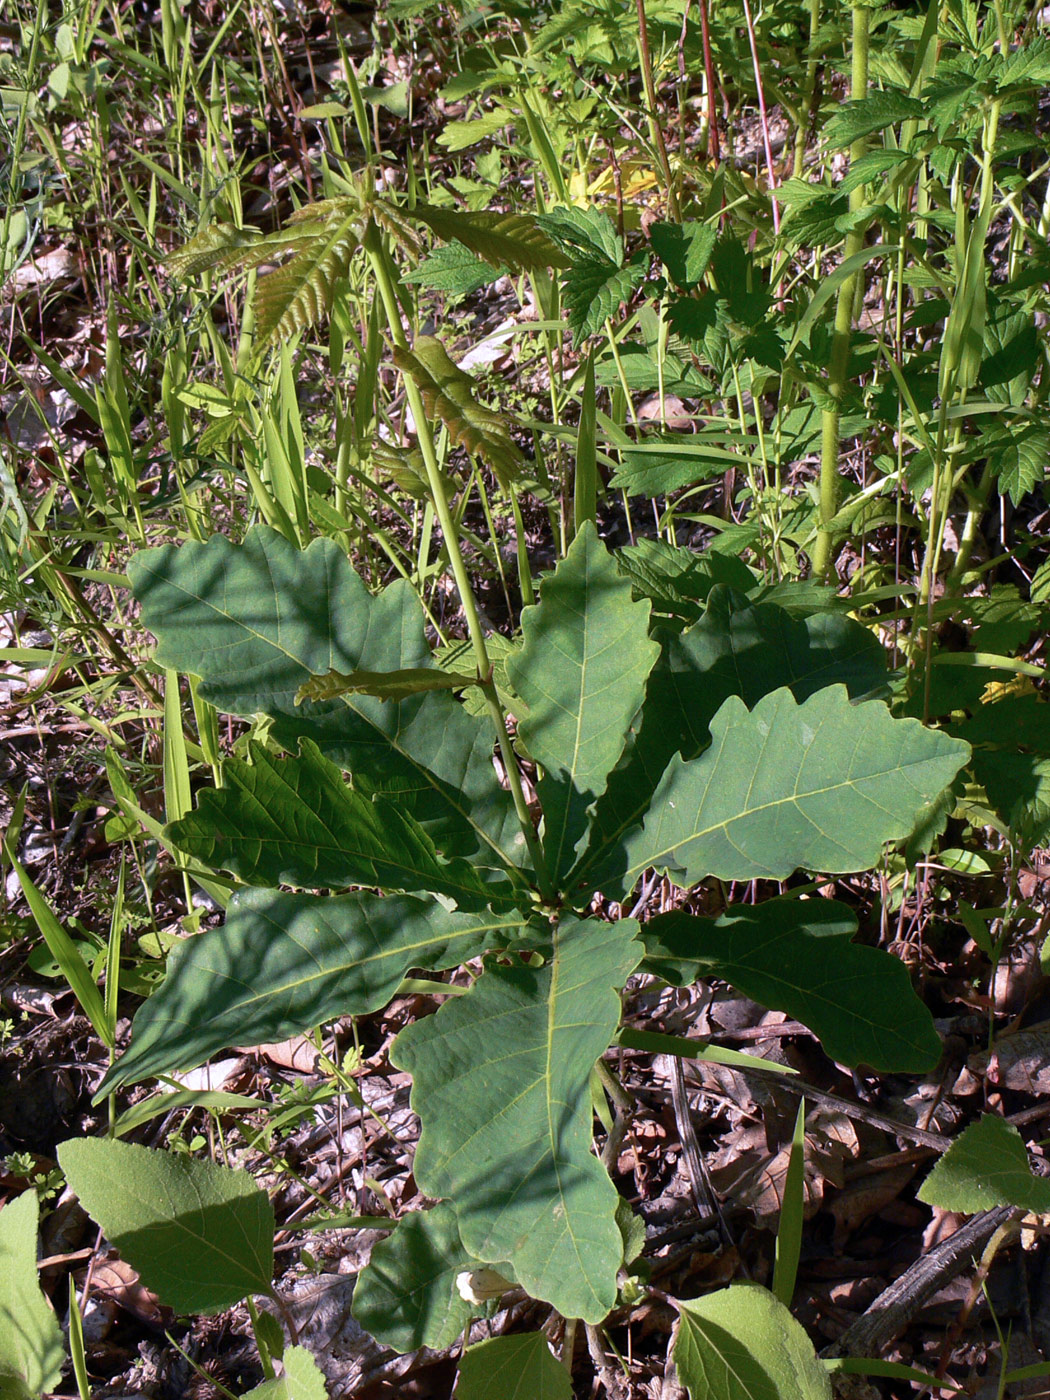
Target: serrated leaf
[(866, 115), (406, 1295), (501, 1082), (685, 250), (31, 1349), (820, 786), (512, 1368), (384, 685), (798, 956), (257, 621), (299, 294), (284, 963), (740, 1343), (220, 246), (514, 240), (986, 1166), (448, 393), (200, 1235), (589, 232), (595, 289), (454, 270), (737, 648), (581, 672), (1019, 456), (294, 821)]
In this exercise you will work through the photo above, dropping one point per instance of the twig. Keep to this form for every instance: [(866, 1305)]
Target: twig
[(895, 1306)]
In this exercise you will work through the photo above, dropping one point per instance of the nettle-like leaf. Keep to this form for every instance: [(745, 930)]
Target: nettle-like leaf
[(448, 393), (741, 1343), (513, 240), (257, 621), (595, 289), (455, 271), (294, 821), (986, 1166), (581, 672), (869, 114), (200, 1234), (685, 250), (598, 281), (283, 963), (798, 956), (738, 648), (406, 1296), (31, 1350), (1018, 455), (820, 786), (501, 1083)]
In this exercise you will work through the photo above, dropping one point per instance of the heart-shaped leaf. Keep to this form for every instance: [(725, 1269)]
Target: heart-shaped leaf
[(200, 1235), (985, 1167)]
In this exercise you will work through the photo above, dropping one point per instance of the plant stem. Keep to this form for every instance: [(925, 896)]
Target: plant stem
[(379, 259), (830, 480), (655, 129)]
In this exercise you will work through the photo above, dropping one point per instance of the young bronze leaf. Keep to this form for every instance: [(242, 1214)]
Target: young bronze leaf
[(797, 956), (448, 393), (500, 1081), (283, 963), (299, 294), (512, 239), (581, 671), (384, 685), (200, 1235)]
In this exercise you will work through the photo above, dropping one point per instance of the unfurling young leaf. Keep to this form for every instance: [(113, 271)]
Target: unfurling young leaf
[(448, 393), (516, 240), (384, 685), (200, 1235)]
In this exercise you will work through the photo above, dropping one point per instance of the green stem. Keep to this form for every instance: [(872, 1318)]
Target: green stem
[(830, 479), (379, 259)]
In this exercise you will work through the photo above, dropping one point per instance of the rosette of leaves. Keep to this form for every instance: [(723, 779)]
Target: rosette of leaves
[(371, 836)]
